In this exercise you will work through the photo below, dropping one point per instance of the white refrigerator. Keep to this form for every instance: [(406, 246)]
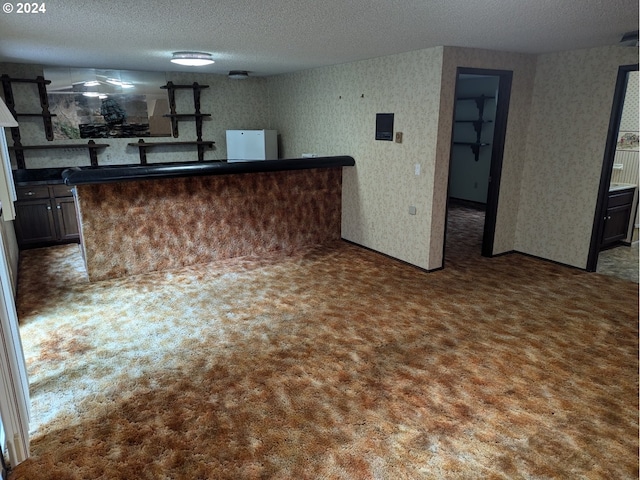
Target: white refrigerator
[(249, 145)]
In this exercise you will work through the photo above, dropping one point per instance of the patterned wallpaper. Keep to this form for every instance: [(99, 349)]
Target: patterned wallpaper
[(630, 115), (627, 171), (332, 110), (233, 105), (556, 131), (570, 110), (553, 150)]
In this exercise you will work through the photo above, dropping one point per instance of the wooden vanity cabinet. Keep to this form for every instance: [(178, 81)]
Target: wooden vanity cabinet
[(617, 215), (45, 215)]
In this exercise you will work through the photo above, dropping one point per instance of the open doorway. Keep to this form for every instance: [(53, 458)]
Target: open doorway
[(477, 146), (614, 243)]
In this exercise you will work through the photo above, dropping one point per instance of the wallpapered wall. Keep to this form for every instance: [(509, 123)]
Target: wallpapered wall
[(233, 105), (571, 107), (332, 111), (556, 132), (630, 118)]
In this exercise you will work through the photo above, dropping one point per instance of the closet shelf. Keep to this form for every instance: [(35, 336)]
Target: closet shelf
[(475, 147), (475, 97), (477, 124), (477, 144)]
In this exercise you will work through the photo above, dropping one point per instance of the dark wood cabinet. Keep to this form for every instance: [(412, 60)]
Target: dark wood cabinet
[(618, 213), (34, 223), (67, 220), (45, 215)]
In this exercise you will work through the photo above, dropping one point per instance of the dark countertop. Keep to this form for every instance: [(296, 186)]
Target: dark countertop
[(122, 173), (38, 176)]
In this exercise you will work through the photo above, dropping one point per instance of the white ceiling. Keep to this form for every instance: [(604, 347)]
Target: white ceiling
[(268, 37)]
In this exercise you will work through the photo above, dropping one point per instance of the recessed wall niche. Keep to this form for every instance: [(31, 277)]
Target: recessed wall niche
[(95, 103)]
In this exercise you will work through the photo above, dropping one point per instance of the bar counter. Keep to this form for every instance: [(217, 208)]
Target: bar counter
[(146, 218), (121, 173)]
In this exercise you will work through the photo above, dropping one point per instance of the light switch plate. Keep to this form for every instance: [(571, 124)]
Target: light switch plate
[(412, 210)]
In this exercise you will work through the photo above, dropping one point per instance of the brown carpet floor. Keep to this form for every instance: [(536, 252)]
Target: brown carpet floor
[(331, 363)]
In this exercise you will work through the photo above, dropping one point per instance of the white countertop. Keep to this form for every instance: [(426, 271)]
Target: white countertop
[(620, 186)]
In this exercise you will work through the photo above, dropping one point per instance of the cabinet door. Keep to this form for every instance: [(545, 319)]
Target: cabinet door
[(34, 222), (66, 219), (616, 224)]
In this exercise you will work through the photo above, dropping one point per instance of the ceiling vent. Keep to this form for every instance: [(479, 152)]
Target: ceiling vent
[(629, 39), (238, 74)]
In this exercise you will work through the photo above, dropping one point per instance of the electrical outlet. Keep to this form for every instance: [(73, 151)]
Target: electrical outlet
[(398, 137), (412, 210)]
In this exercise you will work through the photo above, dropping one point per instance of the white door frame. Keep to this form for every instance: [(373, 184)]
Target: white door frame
[(14, 385)]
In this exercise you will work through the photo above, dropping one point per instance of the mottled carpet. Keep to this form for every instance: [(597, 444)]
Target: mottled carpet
[(331, 363), (621, 261)]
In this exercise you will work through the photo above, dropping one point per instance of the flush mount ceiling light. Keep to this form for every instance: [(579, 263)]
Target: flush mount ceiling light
[(192, 59), (238, 74)]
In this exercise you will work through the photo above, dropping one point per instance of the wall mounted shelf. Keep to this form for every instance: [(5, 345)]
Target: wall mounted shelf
[(91, 146), (477, 123), (475, 147), (7, 88), (176, 117), (144, 146), (480, 101)]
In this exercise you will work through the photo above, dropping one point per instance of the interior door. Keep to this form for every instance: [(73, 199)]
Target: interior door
[(497, 150), (599, 221)]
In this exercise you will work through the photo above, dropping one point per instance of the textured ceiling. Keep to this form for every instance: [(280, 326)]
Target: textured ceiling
[(278, 36)]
